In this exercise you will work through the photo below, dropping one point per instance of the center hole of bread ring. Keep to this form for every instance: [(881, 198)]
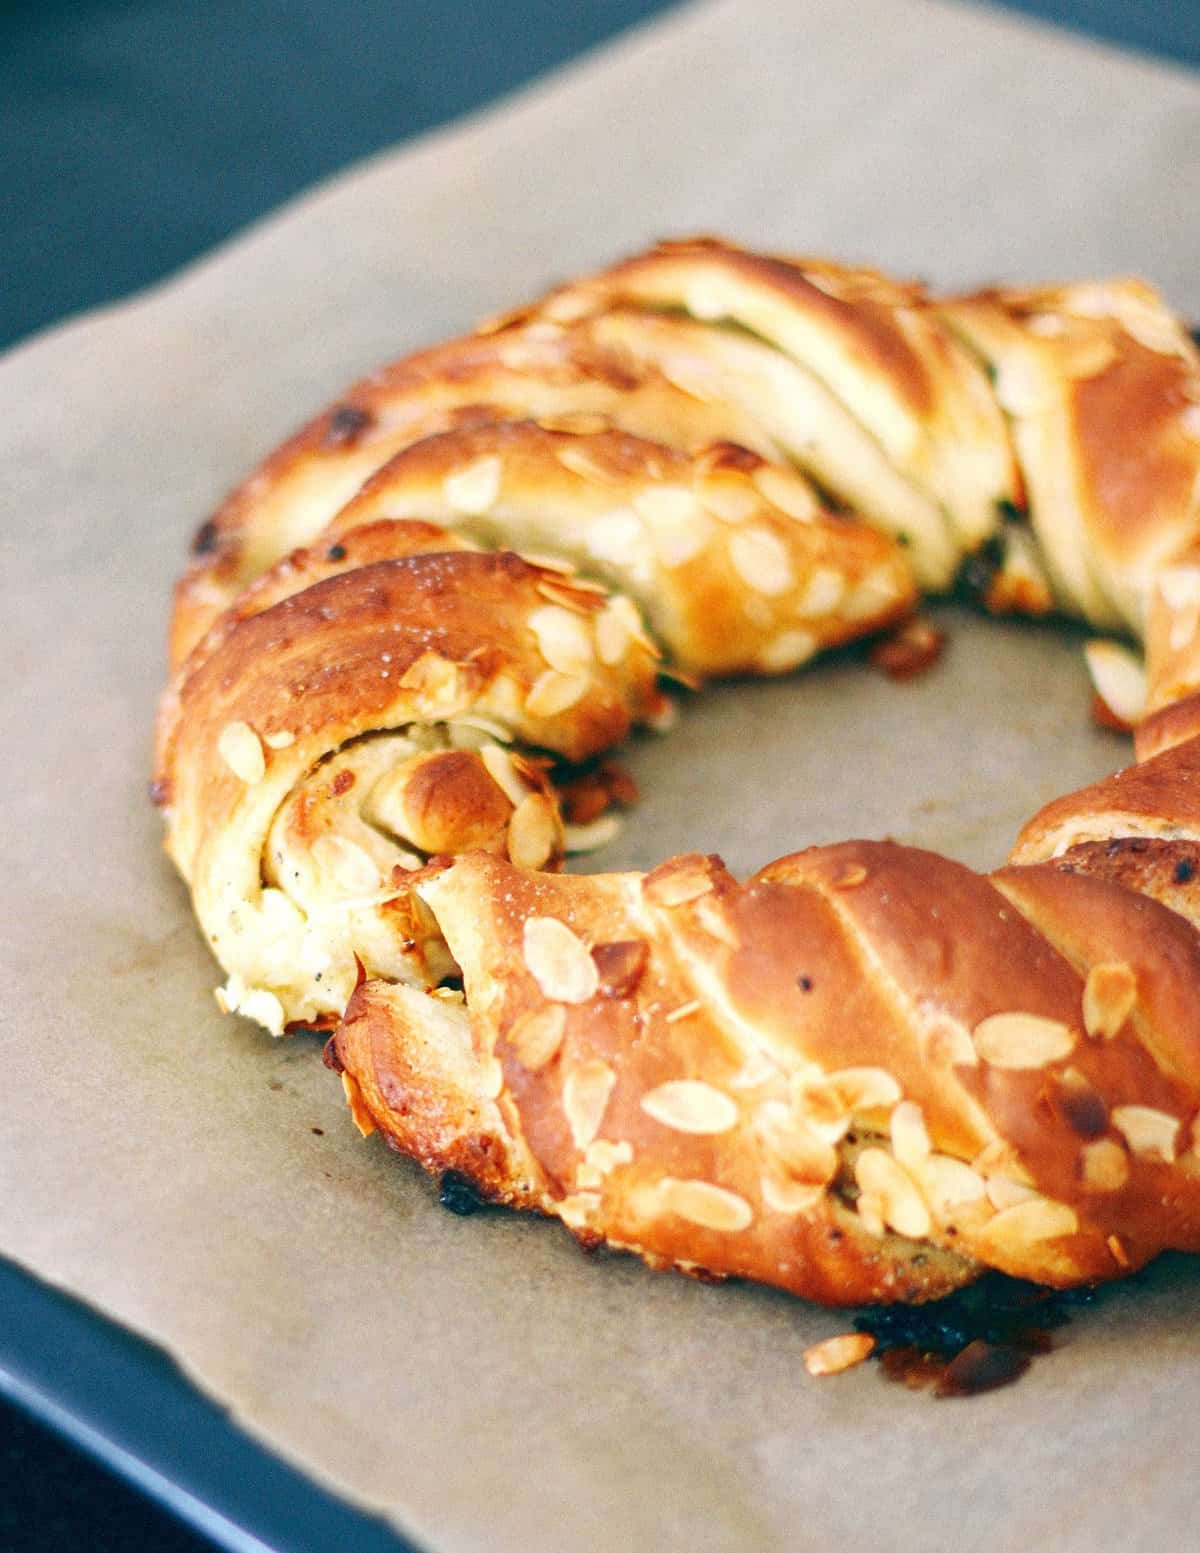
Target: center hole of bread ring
[(955, 759)]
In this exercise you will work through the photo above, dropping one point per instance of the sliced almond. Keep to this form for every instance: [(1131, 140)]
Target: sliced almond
[(585, 1098), (435, 685), (948, 1182), (709, 1206), (1151, 1134), (729, 497), (532, 832), (559, 961), (910, 1139), (499, 766), (785, 489), (690, 1105), (822, 594), (359, 1114), (563, 639), (1011, 1232), (474, 490), (282, 740), (839, 1353), (783, 1195), (1104, 1166), (1109, 996), (604, 1155), (797, 1150), (1120, 680), (1003, 1192), (901, 1204), (241, 749), (537, 1036), (947, 1041), (576, 423), (554, 693), (761, 560), (1018, 1040), (618, 626), (787, 650)]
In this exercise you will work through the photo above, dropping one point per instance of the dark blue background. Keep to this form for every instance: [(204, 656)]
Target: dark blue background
[(135, 134)]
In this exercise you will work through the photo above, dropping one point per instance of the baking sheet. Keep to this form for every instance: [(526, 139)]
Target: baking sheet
[(480, 1380)]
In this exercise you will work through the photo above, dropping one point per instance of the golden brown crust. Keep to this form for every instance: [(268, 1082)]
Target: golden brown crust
[(867, 1073)]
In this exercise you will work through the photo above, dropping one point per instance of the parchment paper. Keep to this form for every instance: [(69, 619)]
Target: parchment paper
[(480, 1380)]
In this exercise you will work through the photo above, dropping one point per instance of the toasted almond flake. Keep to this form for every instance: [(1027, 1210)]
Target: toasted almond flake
[(576, 423), (788, 650), (563, 639), (559, 961), (862, 1089), (730, 497), (678, 881), (595, 834), (1003, 1192), (839, 1353), (1118, 1252), (346, 863), (783, 1195), (241, 749), (499, 766), (873, 596), (282, 740), (1048, 325), (1109, 996), (690, 1105), (585, 463), (557, 564), (822, 594), (579, 1209), (705, 298), (757, 1070), (709, 1206), (554, 693), (537, 1036), (850, 877), (434, 683), (565, 594), (758, 612), (683, 1011), (672, 505), (617, 627), (585, 1094), (761, 560), (1120, 679), (785, 489), (620, 966), (910, 1140), (1020, 1040), (359, 1114), (1180, 586), (474, 490), (1183, 630), (1104, 1166), (1011, 1232), (948, 1182), (604, 1155), (1151, 1134), (710, 916), (948, 1041), (1189, 421), (697, 381), (883, 1178), (663, 717), (793, 1146), (532, 832)]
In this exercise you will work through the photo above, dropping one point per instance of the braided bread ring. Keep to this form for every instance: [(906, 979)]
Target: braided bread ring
[(867, 1073)]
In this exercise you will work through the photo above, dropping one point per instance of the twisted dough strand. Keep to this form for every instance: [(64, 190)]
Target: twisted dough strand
[(867, 1073)]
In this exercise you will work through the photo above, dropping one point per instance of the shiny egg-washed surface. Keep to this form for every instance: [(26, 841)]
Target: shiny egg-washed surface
[(865, 1074)]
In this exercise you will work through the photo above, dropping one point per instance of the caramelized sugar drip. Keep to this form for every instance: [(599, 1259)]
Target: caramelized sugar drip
[(979, 1338)]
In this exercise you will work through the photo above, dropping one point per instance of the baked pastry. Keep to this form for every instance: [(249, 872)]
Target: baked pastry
[(866, 1074)]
